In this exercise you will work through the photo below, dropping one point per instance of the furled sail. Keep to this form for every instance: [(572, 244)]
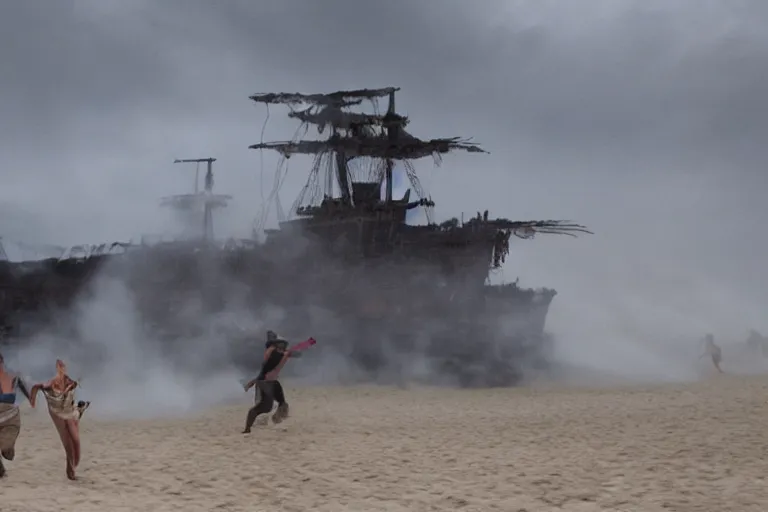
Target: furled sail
[(339, 119), (405, 147)]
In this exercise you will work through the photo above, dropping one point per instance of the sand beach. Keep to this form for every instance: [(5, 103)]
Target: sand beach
[(685, 447)]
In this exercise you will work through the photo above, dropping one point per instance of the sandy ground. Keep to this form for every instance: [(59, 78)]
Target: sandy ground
[(695, 447)]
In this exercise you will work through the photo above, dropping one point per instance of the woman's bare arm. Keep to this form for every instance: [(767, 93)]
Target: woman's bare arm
[(38, 387), (70, 384)]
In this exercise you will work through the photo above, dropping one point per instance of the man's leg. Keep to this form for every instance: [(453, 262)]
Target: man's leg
[(716, 362), (282, 405), (263, 419), (263, 406)]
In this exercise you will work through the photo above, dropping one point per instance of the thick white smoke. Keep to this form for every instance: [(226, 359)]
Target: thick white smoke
[(122, 369)]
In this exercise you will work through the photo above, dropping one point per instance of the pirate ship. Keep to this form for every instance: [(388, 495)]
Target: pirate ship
[(399, 287), (344, 264)]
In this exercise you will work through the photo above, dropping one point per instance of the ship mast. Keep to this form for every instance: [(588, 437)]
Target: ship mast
[(342, 170), (342, 174), (392, 135), (206, 197), (356, 134)]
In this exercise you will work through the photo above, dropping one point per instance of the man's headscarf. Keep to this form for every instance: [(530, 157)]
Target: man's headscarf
[(274, 340)]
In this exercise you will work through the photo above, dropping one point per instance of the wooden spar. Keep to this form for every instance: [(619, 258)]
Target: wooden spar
[(392, 135), (342, 173), (338, 98), (406, 147)]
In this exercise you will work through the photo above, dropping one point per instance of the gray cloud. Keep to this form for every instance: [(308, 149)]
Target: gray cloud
[(644, 120)]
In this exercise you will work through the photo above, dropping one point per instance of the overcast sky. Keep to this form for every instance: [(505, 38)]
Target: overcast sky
[(645, 120)]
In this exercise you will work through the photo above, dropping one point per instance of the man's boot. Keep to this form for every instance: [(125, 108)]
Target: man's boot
[(280, 414)]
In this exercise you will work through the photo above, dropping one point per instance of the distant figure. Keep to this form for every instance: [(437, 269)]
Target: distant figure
[(276, 354), (59, 392), (10, 416), (712, 350), (757, 344)]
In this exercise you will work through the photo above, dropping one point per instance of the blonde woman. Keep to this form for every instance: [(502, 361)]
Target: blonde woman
[(59, 392)]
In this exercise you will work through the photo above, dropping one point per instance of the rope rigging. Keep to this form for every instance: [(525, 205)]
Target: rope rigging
[(322, 180)]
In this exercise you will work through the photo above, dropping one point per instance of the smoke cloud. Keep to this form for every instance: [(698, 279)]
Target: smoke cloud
[(643, 120), (124, 369)]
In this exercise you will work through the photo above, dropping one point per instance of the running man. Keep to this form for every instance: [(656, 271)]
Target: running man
[(269, 389), (712, 350)]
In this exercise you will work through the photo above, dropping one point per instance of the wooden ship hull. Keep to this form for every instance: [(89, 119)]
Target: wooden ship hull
[(363, 308)]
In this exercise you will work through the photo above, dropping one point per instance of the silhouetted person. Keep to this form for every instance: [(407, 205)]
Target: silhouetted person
[(712, 350), (757, 343)]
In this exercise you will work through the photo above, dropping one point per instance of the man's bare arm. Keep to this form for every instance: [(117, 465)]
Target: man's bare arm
[(23, 388)]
